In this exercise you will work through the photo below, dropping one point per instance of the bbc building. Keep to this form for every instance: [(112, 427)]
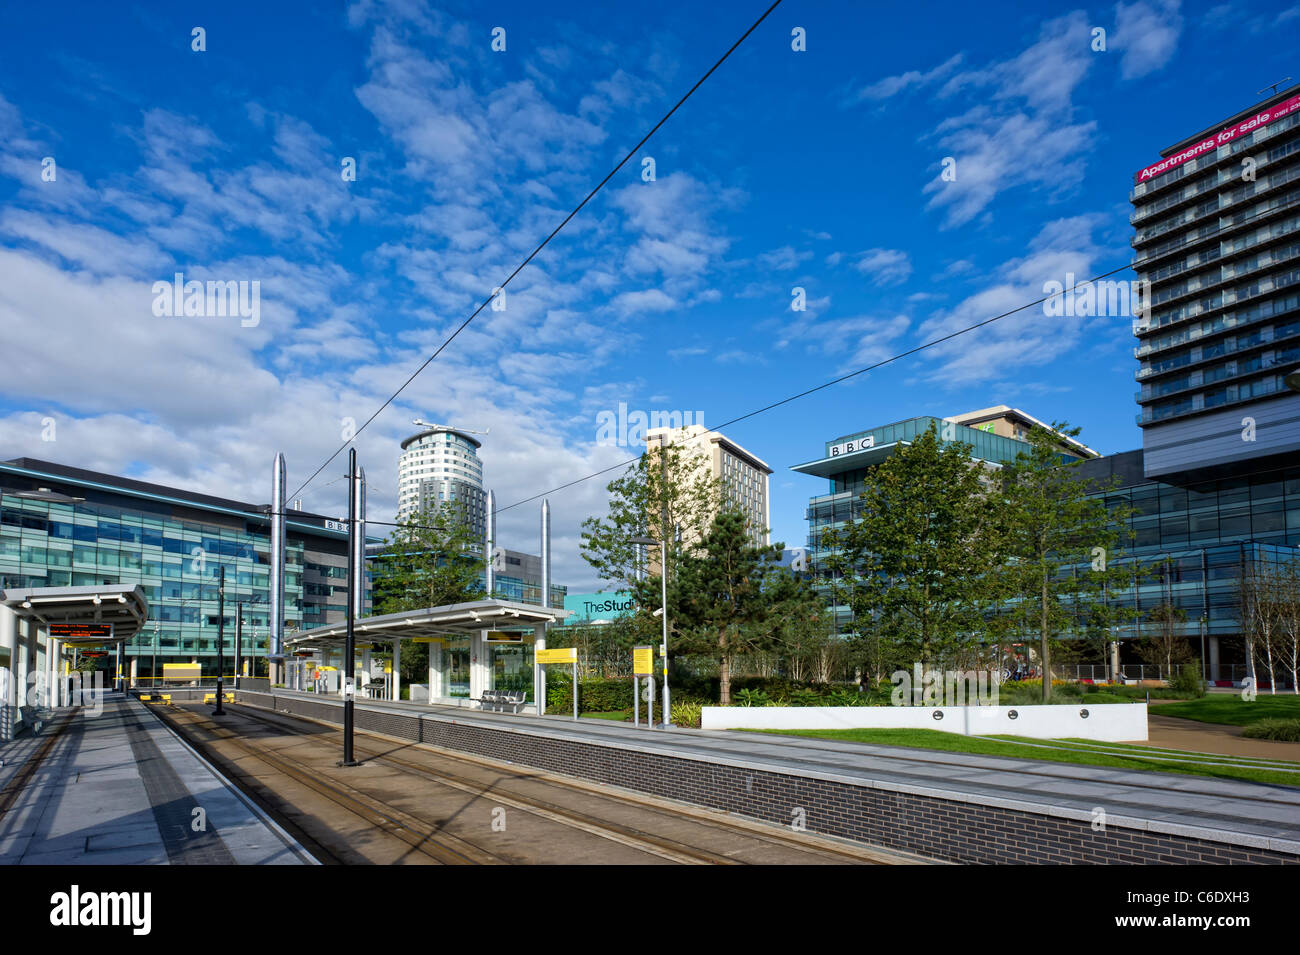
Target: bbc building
[(1215, 488)]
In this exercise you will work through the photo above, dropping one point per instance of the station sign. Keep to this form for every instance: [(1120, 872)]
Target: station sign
[(558, 655), (81, 631), (181, 671)]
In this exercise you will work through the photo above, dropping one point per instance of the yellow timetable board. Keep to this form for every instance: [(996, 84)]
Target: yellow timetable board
[(643, 661), (558, 655)]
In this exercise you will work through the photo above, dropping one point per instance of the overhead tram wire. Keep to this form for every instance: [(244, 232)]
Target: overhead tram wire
[(803, 394), (545, 242), (1281, 207), (835, 381)]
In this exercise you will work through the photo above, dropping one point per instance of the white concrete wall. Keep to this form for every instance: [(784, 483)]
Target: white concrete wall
[(1108, 722)]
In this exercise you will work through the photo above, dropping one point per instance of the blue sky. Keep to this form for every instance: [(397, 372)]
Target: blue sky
[(819, 169)]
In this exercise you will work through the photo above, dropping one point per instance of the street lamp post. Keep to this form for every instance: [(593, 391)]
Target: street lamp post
[(221, 639), (1204, 621), (665, 706)]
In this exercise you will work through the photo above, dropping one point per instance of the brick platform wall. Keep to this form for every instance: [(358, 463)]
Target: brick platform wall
[(925, 825)]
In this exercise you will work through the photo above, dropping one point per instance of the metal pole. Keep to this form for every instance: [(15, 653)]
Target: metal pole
[(650, 703), (221, 639), (1203, 622), (489, 542), (663, 574), (636, 700), (275, 655), (664, 580), (540, 677), (350, 644), (575, 689), (239, 639)]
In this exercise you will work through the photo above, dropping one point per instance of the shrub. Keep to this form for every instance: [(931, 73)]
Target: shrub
[(594, 696), (1283, 730), (687, 714), (1188, 680), (748, 697)]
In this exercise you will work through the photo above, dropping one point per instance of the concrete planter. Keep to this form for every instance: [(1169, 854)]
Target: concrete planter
[(1108, 722)]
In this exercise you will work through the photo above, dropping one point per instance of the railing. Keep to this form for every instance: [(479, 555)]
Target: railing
[(1100, 673)]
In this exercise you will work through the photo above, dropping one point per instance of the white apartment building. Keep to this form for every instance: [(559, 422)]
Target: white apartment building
[(744, 476), (440, 465)]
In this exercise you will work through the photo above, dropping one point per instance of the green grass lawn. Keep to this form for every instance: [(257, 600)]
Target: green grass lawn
[(1231, 709), (1082, 755), (617, 715)]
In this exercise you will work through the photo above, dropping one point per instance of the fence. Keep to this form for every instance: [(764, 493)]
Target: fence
[(1100, 673)]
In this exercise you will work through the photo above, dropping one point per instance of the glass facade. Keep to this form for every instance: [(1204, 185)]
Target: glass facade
[(59, 530), (1197, 538)]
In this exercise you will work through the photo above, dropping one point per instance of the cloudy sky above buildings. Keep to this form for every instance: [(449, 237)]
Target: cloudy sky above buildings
[(819, 169)]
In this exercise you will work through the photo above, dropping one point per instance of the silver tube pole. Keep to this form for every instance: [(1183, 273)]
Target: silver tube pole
[(276, 597), (546, 602), (489, 541)]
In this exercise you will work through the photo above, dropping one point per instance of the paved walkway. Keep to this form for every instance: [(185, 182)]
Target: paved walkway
[(120, 789), (1240, 813), (1173, 732)]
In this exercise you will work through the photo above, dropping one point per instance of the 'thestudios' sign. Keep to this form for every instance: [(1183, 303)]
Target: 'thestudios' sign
[(848, 447), (599, 606)]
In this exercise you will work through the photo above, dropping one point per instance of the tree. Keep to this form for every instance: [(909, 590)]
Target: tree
[(916, 561), (1052, 524), (1264, 599), (1288, 611), (1167, 646), (797, 627), (722, 606), (666, 496), (432, 558)]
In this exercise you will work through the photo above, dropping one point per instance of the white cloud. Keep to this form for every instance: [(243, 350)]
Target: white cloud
[(894, 85), (1028, 338), (1147, 34), (884, 266)]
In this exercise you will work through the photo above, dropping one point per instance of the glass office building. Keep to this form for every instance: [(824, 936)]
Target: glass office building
[(61, 525), (848, 459), (1193, 542)]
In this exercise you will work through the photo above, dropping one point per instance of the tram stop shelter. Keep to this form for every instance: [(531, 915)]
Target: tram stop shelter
[(40, 625), (475, 646)]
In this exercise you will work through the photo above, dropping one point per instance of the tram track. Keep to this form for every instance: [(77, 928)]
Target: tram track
[(759, 831), (419, 834), (428, 837)]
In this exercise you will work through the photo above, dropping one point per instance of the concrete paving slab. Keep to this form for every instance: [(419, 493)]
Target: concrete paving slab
[(93, 800)]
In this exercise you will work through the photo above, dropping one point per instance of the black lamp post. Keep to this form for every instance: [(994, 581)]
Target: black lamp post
[(350, 642)]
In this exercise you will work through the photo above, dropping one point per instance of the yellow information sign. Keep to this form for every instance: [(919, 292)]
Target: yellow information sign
[(558, 655), (643, 661), (179, 671)]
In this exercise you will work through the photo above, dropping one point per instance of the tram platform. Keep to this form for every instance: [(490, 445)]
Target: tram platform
[(119, 788)]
